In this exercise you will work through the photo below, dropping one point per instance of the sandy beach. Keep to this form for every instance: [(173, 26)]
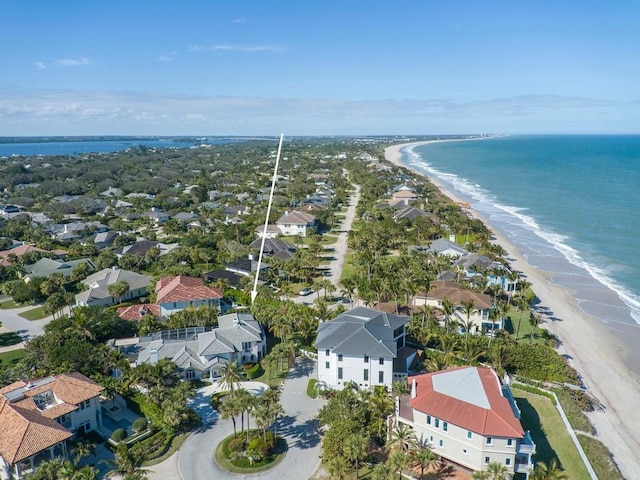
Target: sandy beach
[(593, 350)]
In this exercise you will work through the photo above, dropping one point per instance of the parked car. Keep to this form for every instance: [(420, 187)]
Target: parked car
[(306, 291)]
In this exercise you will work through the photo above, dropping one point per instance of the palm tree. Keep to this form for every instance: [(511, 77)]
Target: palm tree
[(398, 461), (338, 467), (425, 459), (231, 376), (448, 309), (118, 290), (356, 448), (402, 436), (550, 471), (469, 309), (498, 471), (381, 471), (229, 409), (82, 450)]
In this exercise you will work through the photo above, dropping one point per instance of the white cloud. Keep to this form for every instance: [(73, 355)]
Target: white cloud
[(138, 113), (73, 62), (240, 20), (40, 65), (167, 57)]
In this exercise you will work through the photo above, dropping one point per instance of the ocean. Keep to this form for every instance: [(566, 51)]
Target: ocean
[(568, 203)]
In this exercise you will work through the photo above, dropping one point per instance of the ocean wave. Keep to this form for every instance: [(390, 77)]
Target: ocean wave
[(486, 203)]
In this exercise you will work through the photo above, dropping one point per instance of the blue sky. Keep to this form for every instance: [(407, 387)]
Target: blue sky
[(205, 67)]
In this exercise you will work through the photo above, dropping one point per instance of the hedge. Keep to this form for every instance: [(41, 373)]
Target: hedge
[(255, 371)]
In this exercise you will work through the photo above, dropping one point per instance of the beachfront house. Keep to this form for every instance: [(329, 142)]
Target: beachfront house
[(478, 316), (468, 417), (37, 417), (483, 271), (363, 346)]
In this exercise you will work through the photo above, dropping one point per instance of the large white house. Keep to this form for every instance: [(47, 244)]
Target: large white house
[(363, 346), (296, 223), (39, 416), (469, 417), (97, 293)]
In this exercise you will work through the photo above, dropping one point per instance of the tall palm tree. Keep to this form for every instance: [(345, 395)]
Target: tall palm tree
[(356, 448), (448, 309), (469, 309), (398, 461), (498, 471), (402, 437), (425, 459), (230, 409), (231, 376)]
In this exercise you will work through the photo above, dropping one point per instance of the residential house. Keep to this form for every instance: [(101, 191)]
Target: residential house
[(199, 351), (46, 266), (104, 240), (112, 192), (364, 346), (68, 232), (468, 417), (272, 231), (38, 417), (274, 248), (142, 247), (246, 266), (98, 284), (6, 255), (481, 267), (296, 223), (450, 248), (157, 215), (409, 213), (177, 293), (458, 296), (403, 197)]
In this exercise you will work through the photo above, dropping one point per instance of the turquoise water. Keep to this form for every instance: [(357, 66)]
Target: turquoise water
[(569, 203)]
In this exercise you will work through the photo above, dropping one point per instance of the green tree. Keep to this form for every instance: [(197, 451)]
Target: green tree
[(118, 290), (424, 459), (549, 471), (231, 376), (356, 448)]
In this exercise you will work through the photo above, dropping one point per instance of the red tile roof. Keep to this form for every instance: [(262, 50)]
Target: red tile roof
[(138, 312), (498, 420), (18, 251), (184, 289)]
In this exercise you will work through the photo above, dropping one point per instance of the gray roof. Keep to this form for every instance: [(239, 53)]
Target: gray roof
[(99, 282), (361, 331), (464, 384), (442, 244), (46, 266)]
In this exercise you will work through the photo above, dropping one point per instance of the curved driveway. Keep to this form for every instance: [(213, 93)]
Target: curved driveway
[(298, 426)]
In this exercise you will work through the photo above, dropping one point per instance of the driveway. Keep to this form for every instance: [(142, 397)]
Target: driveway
[(195, 459)]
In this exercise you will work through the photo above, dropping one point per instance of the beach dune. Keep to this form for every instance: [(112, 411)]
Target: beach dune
[(593, 350)]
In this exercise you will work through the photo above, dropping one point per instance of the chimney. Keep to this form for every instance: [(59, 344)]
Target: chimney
[(414, 390), (153, 356), (452, 238)]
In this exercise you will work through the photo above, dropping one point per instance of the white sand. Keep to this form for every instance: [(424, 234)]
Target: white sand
[(593, 351)]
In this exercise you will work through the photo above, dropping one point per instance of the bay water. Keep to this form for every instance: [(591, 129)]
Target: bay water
[(570, 204)]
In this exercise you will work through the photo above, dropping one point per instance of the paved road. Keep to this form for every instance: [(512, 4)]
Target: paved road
[(21, 326), (195, 459)]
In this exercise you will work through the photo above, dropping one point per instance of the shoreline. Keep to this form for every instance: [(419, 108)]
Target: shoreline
[(592, 349)]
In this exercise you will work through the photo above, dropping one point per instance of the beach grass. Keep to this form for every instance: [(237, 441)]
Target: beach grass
[(600, 458), (34, 314), (552, 439)]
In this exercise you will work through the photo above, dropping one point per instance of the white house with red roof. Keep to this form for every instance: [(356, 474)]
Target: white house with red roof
[(469, 417), (38, 417), (177, 293)]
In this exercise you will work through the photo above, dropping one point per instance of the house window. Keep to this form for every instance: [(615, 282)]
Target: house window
[(381, 361), (366, 374), (507, 462), (487, 460), (464, 450), (441, 443), (470, 435), (428, 419), (509, 442), (340, 357), (380, 377), (340, 373), (436, 423), (366, 359), (326, 352), (190, 374), (445, 426), (326, 364), (489, 441)]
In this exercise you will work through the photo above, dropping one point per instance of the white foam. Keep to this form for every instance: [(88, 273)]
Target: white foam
[(486, 202)]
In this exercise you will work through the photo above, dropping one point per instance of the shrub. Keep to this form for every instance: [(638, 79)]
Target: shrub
[(217, 399), (271, 439), (258, 449), (236, 445), (254, 372), (140, 424), (118, 435)]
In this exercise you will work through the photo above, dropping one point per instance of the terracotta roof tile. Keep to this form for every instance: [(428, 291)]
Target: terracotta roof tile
[(182, 289), (138, 312), (497, 419)]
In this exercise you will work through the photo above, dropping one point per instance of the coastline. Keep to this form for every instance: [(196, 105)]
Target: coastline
[(592, 349)]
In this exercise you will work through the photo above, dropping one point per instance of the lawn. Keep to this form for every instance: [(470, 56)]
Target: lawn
[(552, 440), (9, 304), (8, 359), (34, 314), (518, 324), (348, 268)]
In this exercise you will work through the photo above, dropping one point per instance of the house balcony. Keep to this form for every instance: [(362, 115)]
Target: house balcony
[(523, 465), (526, 446)]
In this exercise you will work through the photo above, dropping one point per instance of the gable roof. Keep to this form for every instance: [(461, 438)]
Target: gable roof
[(361, 331), (470, 397), (181, 289), (457, 295), (137, 312), (274, 247)]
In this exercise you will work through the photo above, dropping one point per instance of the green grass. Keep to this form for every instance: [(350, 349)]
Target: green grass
[(312, 392), (9, 338), (549, 434), (600, 458), (222, 453), (34, 314), (8, 359), (272, 377), (9, 304), (519, 324), (348, 268)]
